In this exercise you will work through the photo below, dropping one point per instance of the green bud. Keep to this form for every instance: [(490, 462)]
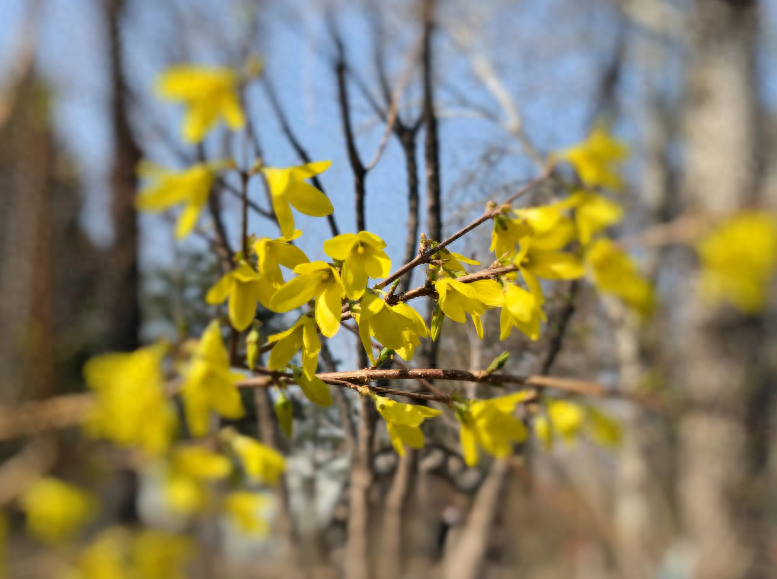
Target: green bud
[(498, 362), (252, 347), (383, 357), (284, 412), (436, 326)]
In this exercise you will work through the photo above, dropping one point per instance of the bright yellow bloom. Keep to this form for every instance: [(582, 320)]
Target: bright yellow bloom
[(244, 287), (506, 235), (521, 310), (604, 429), (396, 327), (303, 334), (314, 389), (288, 189), (593, 213), (738, 259), (456, 299), (542, 219), (159, 555), (248, 511), (403, 422), (209, 95), (273, 253), (596, 159), (452, 262), (317, 280), (260, 462), (56, 510), (614, 272), (104, 558), (490, 424), (191, 468), (190, 187), (363, 258), (570, 420), (209, 384), (131, 407)]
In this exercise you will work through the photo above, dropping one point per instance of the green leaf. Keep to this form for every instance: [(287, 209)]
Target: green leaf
[(498, 362)]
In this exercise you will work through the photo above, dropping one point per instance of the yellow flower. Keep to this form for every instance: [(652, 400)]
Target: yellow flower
[(396, 327), (520, 310), (104, 558), (317, 280), (273, 253), (190, 187), (56, 510), (490, 424), (593, 213), (456, 299), (314, 388), (604, 429), (303, 334), (131, 407), (738, 259), (614, 272), (403, 422), (452, 262), (244, 287), (506, 235), (570, 420), (260, 462), (248, 511), (288, 189), (191, 468), (596, 159), (209, 95), (363, 258), (159, 555), (209, 384)]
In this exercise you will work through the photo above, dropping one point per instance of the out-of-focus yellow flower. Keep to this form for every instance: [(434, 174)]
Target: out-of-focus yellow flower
[(284, 413), (457, 299), (363, 258), (604, 429), (570, 420), (403, 422), (520, 310), (248, 511), (451, 262), (593, 213), (597, 158), (209, 384), (244, 287), (191, 468), (614, 272), (56, 510), (738, 259), (303, 334), (209, 95), (103, 558), (131, 407), (396, 327), (288, 189), (159, 555), (273, 253), (490, 424), (506, 234), (190, 187), (317, 280), (260, 462)]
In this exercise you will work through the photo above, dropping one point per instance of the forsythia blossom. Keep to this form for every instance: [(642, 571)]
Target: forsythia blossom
[(209, 95), (244, 287), (596, 159), (56, 510), (249, 512), (288, 189), (363, 258), (403, 422), (490, 424), (593, 213), (317, 280), (396, 327), (190, 470), (569, 420), (260, 462), (303, 334), (131, 407), (209, 384), (457, 299), (273, 253), (614, 272), (190, 187), (738, 259)]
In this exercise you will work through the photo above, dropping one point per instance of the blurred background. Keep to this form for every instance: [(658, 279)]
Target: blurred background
[(689, 85)]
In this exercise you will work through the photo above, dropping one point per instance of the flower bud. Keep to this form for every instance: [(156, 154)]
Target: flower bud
[(436, 326), (284, 412)]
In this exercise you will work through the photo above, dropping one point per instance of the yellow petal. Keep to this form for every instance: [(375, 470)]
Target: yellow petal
[(329, 308), (296, 292), (187, 220), (221, 290), (315, 390), (469, 447), (285, 348), (340, 247), (354, 278), (309, 170), (308, 200), (242, 306)]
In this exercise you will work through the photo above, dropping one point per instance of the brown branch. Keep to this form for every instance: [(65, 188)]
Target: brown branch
[(562, 323)]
